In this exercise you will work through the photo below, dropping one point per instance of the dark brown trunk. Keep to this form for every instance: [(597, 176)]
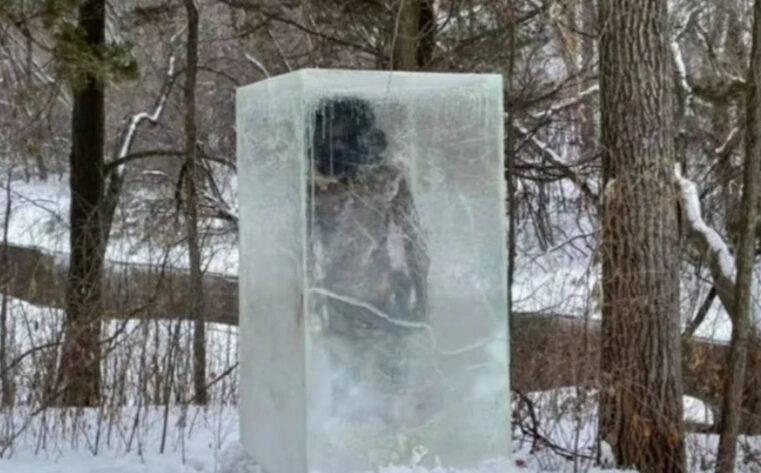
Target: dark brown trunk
[(191, 209), (731, 417), (641, 398), (79, 371), (413, 38), (6, 389), (427, 33)]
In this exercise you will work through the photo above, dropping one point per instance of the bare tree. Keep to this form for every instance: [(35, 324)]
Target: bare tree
[(79, 372), (641, 395), (412, 42), (731, 413), (191, 183)]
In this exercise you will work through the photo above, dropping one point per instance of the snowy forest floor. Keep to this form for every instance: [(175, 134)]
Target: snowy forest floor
[(193, 439), (205, 440)]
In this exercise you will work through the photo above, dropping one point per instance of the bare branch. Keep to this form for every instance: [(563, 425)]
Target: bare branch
[(558, 162)]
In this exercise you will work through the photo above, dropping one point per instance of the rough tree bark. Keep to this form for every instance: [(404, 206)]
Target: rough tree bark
[(641, 398), (79, 370), (191, 208), (413, 39), (731, 412)]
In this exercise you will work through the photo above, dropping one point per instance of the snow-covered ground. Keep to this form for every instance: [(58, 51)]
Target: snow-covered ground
[(130, 441), (205, 440), (126, 436)]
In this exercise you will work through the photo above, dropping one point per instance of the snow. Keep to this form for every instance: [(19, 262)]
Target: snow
[(559, 279), (250, 58), (697, 411), (198, 441), (152, 117), (567, 103), (39, 219), (206, 441), (127, 439), (722, 148), (716, 246), (129, 344), (720, 262)]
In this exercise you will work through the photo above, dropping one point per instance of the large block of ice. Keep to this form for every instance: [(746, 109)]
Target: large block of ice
[(373, 313)]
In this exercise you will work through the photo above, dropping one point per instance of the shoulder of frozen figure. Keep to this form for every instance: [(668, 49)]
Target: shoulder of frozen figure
[(395, 169), (326, 184)]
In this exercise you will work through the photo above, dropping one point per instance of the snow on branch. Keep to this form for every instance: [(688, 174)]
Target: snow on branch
[(153, 117), (681, 69), (729, 142), (680, 65), (257, 63), (720, 260), (559, 163), (570, 102)]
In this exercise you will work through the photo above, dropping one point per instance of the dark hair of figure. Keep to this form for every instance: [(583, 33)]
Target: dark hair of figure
[(345, 138)]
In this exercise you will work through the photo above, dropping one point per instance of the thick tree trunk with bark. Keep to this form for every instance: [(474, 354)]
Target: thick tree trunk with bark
[(79, 371), (191, 209), (641, 379), (414, 35), (731, 416)]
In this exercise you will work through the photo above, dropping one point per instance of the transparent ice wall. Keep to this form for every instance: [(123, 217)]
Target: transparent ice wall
[(373, 271)]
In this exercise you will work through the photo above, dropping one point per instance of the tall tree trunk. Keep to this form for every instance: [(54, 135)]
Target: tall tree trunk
[(6, 389), (731, 412), (414, 35), (79, 371), (191, 208), (510, 152), (641, 398), (426, 33)]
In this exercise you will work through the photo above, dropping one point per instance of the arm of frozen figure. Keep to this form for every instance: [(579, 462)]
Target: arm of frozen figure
[(405, 216)]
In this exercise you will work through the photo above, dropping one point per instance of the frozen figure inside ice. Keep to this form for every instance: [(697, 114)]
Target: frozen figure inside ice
[(369, 265)]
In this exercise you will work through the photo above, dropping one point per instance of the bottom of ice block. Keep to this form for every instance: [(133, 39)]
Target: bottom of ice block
[(497, 465), (461, 437)]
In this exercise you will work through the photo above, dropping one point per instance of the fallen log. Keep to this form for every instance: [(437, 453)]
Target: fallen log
[(548, 351), (129, 290)]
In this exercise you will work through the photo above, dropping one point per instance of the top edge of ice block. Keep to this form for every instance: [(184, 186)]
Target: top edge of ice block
[(314, 80)]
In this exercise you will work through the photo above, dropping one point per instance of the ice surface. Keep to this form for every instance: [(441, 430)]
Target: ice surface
[(372, 271)]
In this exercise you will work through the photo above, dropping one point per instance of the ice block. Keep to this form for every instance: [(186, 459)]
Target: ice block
[(373, 310)]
